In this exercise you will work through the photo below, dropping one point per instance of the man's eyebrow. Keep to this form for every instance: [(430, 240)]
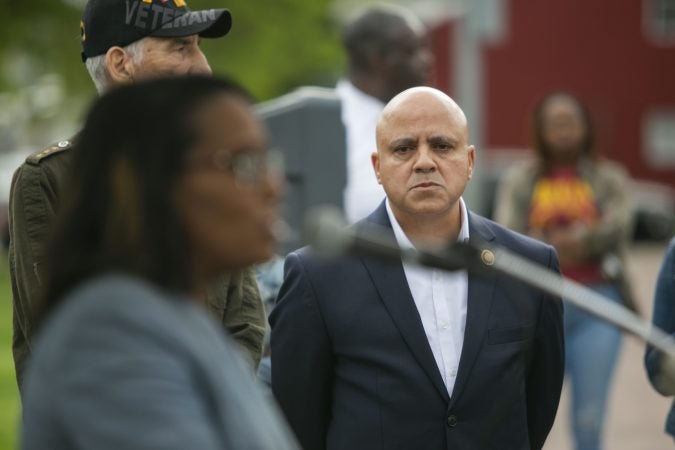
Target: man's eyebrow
[(442, 139), (181, 40), (404, 141)]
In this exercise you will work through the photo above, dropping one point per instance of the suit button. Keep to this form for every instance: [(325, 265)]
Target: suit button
[(451, 421)]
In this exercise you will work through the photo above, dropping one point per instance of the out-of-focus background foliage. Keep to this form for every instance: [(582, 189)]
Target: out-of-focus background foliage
[(44, 87), (9, 396)]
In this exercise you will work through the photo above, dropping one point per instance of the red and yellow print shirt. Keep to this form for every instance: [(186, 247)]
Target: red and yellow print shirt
[(561, 199)]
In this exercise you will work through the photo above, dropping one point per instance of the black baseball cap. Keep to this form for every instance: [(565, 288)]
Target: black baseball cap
[(109, 23)]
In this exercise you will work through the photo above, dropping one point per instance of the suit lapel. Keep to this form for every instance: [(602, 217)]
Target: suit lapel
[(480, 295), (390, 281)]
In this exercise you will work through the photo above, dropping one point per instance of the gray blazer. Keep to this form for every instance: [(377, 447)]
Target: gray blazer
[(123, 365)]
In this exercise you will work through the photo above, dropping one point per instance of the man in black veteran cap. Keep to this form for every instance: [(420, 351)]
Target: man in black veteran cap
[(123, 41)]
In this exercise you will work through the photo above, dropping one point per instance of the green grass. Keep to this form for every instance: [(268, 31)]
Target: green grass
[(9, 394)]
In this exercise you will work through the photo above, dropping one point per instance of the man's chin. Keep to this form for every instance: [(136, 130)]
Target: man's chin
[(431, 208)]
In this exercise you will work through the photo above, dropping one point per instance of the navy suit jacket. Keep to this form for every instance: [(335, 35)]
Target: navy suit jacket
[(352, 367)]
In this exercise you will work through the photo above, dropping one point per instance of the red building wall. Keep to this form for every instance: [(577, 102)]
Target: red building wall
[(595, 49), (440, 40)]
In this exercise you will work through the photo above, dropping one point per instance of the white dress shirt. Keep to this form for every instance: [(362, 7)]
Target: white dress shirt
[(441, 299), (360, 113)]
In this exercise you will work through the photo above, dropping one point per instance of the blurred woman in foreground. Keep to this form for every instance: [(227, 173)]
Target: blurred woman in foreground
[(169, 189)]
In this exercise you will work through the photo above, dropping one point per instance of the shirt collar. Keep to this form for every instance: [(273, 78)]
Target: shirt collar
[(403, 240)]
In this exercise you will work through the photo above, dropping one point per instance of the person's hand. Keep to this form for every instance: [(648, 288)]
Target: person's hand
[(569, 242)]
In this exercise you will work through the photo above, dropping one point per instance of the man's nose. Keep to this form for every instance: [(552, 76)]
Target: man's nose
[(424, 161), (200, 66)]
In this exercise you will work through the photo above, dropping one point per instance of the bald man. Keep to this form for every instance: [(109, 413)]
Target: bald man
[(375, 355)]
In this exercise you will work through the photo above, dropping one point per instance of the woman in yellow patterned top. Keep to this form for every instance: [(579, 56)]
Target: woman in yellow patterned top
[(576, 201)]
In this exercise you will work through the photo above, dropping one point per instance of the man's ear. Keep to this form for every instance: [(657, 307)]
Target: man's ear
[(375, 160), (471, 155), (120, 66)]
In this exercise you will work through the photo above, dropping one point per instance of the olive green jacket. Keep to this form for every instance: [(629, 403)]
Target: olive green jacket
[(606, 243), (34, 198)]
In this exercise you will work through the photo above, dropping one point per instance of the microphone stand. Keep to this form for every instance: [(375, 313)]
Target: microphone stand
[(517, 267), (486, 261), (522, 269)]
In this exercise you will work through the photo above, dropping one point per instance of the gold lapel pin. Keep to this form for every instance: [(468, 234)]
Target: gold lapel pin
[(487, 257)]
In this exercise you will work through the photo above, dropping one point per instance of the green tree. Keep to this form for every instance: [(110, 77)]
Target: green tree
[(274, 45), (39, 37)]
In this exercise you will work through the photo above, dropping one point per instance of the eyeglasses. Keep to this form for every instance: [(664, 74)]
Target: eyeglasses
[(249, 167)]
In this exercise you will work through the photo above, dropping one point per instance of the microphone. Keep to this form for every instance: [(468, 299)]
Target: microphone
[(327, 232)]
